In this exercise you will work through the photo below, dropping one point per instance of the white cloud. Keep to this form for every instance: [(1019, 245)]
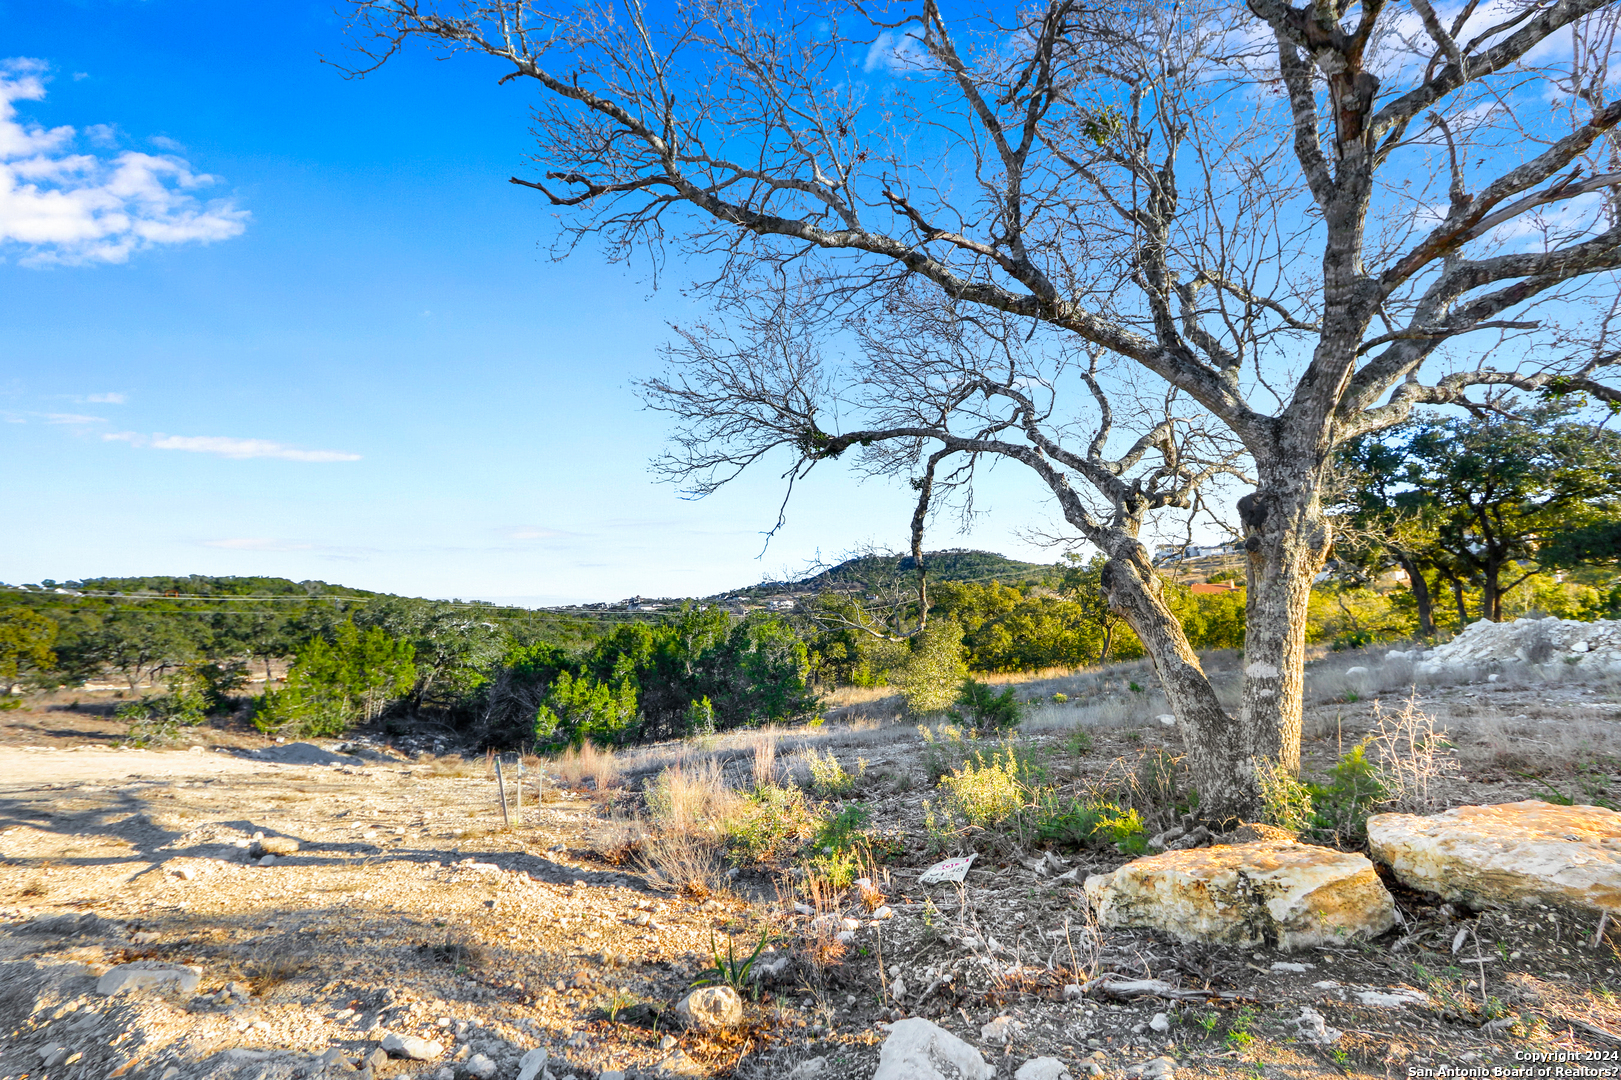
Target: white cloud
[(225, 446), (258, 543), (66, 207), (898, 53), (111, 398), (73, 418)]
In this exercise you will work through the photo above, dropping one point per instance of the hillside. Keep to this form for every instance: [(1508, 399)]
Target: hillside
[(868, 572)]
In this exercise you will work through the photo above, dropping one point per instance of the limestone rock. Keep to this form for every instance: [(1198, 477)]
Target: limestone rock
[(1160, 1068), (143, 975), (919, 1050), (409, 1046), (679, 1064), (710, 1008), (532, 1063), (1001, 1031), (1267, 892), (481, 1067), (1042, 1068), (1513, 853)]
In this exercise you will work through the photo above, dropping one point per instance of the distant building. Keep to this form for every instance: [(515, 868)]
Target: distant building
[(1178, 552)]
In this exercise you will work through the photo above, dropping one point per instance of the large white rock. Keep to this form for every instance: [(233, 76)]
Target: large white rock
[(144, 975), (1513, 853), (919, 1050), (710, 1008), (411, 1047), (1274, 892)]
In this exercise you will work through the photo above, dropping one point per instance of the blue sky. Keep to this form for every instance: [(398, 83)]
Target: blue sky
[(271, 321)]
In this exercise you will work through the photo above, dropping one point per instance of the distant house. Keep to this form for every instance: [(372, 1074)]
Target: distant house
[(1178, 552)]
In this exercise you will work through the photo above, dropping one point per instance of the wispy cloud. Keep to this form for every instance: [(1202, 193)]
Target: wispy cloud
[(107, 399), (225, 446), (258, 543), (66, 207), (534, 532), (73, 418)]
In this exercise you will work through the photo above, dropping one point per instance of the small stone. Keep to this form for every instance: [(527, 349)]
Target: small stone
[(679, 1064), (1160, 1068), (919, 1050), (268, 860), (810, 1067), (1160, 1023), (50, 1054), (481, 1067), (143, 975), (1072, 992), (897, 989), (1167, 719), (1314, 1029), (610, 1074), (710, 1008), (1283, 966), (532, 1063), (1042, 1068), (169, 1074), (184, 873), (1000, 1031), (375, 1060), (667, 1042), (445, 1073), (411, 1047)]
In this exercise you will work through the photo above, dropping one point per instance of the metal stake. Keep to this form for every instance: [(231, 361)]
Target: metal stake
[(501, 785)]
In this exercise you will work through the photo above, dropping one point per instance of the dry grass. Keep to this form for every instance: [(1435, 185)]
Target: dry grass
[(691, 798), (453, 765), (765, 759), (618, 839), (689, 863), (575, 766)]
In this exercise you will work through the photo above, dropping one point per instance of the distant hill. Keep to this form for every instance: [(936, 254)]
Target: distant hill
[(203, 585), (873, 571)]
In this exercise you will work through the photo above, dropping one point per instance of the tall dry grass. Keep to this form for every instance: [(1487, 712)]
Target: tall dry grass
[(574, 766)]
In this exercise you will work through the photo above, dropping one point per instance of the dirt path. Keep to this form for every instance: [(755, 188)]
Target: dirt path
[(27, 767)]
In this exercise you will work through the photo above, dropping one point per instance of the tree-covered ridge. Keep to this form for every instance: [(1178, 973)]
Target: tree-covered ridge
[(879, 571)]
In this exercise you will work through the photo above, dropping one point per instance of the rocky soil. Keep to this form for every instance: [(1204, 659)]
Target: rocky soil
[(306, 912)]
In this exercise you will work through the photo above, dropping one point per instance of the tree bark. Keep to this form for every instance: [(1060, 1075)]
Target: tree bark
[(1421, 595), (1137, 594)]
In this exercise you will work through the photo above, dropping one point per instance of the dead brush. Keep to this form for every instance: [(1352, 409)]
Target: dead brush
[(1412, 753), (274, 963), (618, 840), (765, 760), (683, 862), (822, 947)]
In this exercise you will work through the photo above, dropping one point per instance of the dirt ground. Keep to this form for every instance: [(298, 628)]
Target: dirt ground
[(410, 906)]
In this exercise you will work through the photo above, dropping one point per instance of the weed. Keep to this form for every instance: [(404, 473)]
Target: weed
[(944, 749), (729, 970), (771, 822), (986, 792), (1239, 1035), (1412, 753), (828, 779), (1060, 698), (1078, 742), (586, 762), (1285, 801), (1134, 687)]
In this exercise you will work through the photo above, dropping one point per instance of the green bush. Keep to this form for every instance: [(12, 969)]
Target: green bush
[(985, 710), (1340, 808), (581, 709), (845, 843), (1285, 801), (1081, 823), (829, 779), (932, 676), (985, 792), (771, 824)]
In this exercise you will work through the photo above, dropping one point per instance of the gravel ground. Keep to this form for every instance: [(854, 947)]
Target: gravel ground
[(410, 908)]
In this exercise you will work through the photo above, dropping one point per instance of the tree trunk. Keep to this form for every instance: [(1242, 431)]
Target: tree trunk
[(1421, 595), (1491, 597), (1287, 544), (1210, 735)]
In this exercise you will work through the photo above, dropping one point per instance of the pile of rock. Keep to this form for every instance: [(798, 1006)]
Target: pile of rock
[(1585, 645)]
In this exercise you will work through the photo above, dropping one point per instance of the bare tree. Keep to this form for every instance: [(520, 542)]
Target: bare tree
[(1306, 220)]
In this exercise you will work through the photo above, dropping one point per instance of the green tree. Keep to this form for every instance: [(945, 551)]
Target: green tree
[(934, 673), (332, 685), (1501, 486), (26, 638), (578, 708)]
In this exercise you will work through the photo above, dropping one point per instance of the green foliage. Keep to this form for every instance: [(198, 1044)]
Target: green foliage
[(730, 970), (1078, 742), (1285, 801), (986, 791), (331, 686), (945, 748), (845, 842), (26, 638), (829, 779), (984, 710), (579, 708), (931, 676), (771, 824), (1341, 807)]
